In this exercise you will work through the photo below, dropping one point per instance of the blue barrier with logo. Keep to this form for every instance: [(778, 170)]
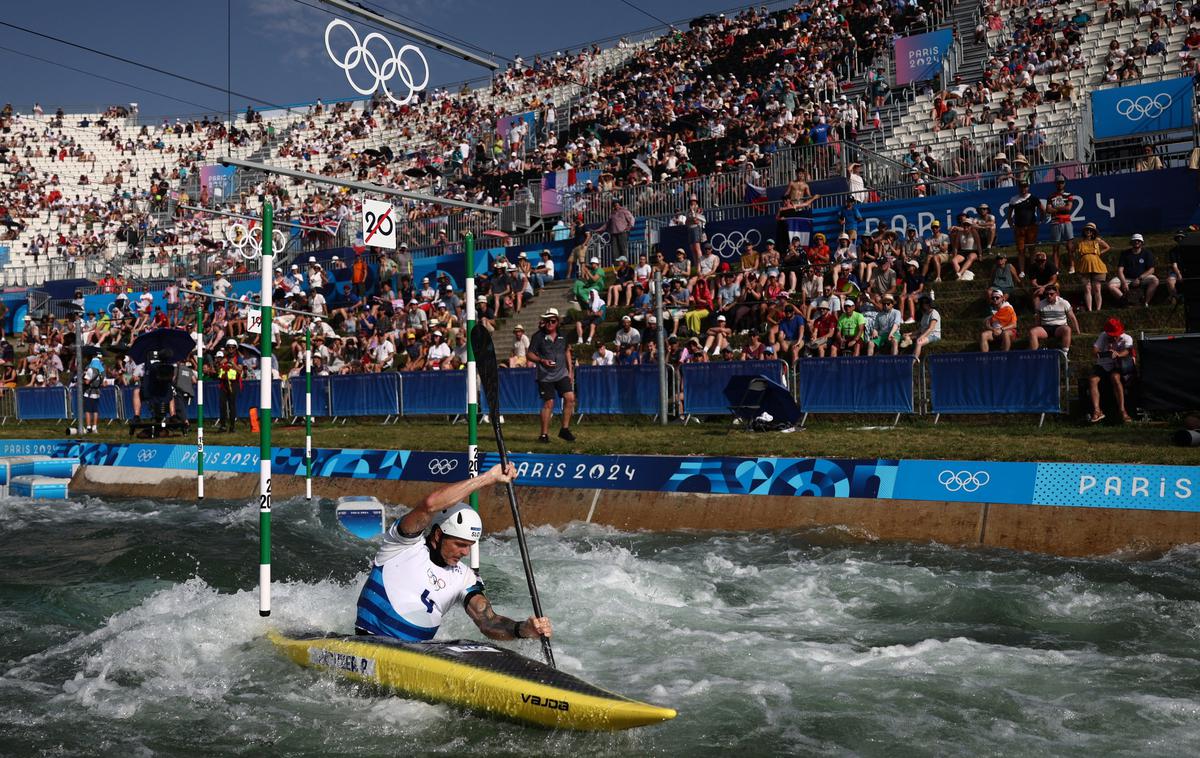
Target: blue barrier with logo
[(879, 384), (518, 393), (1019, 381), (617, 389), (320, 396), (1143, 108), (42, 403), (726, 237), (433, 392), (1092, 485), (110, 408), (704, 383), (364, 395)]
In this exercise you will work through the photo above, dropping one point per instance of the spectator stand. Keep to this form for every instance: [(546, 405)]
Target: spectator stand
[(1017, 381), (875, 384)]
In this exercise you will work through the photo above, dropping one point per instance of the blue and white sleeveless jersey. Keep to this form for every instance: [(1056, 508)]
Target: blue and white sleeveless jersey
[(407, 594)]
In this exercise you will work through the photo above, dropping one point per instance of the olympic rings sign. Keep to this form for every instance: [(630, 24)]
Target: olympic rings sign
[(442, 466), (964, 481), (248, 242), (392, 66), (1144, 106), (730, 244)]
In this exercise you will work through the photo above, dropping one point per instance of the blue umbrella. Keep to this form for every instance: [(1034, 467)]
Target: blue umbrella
[(750, 394), (174, 344)]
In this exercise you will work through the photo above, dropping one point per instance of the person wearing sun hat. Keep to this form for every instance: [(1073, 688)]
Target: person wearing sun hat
[(1090, 265), (1114, 361)]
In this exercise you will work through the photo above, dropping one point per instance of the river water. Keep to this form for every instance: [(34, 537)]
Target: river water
[(131, 628)]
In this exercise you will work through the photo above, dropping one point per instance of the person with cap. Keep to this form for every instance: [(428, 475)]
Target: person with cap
[(555, 374), (884, 331), (965, 247), (929, 326), (1024, 214), (591, 279), (519, 349), (1089, 262), (229, 384), (417, 577), (938, 244), (543, 272), (1114, 362), (1000, 325), (716, 337), (622, 284), (1059, 207), (627, 335), (1004, 276), (1055, 318), (822, 328), (1135, 273), (93, 381), (439, 353), (985, 223), (851, 330)]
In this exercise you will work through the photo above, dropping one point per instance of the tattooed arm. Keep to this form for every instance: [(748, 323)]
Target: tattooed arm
[(497, 627)]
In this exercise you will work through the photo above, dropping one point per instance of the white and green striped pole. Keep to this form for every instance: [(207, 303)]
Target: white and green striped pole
[(308, 413), (264, 417), (472, 383), (200, 398)]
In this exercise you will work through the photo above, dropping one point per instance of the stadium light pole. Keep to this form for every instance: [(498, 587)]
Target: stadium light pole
[(359, 186), (417, 34)]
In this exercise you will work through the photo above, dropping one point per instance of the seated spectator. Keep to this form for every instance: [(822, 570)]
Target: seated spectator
[(789, 335), (520, 346), (885, 328), (1001, 324), (1149, 161), (622, 283), (543, 272), (628, 355), (884, 281), (603, 356), (700, 305), (591, 279), (1004, 277), (929, 327), (938, 245), (819, 254), (965, 247), (1135, 273), (591, 317), (717, 337), (1054, 319), (439, 353), (1042, 274), (1114, 362), (851, 331)]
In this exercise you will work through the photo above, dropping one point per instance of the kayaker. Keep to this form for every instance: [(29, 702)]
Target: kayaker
[(416, 578)]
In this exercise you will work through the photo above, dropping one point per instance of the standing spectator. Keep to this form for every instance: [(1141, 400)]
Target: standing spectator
[(695, 223), (850, 218), (555, 374), (1090, 253), (1174, 273), (620, 221), (229, 381), (1024, 214), (1135, 272), (1059, 207), (929, 328), (358, 274), (1114, 361), (1001, 324), (1053, 316)]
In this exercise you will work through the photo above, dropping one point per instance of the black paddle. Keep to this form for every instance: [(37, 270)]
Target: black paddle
[(485, 364)]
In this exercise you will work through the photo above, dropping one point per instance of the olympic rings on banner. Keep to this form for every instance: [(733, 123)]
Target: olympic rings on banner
[(965, 481), (442, 466), (393, 64), (729, 244), (1144, 106), (248, 242)]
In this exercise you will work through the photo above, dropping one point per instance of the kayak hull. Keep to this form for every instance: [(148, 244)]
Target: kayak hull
[(478, 676)]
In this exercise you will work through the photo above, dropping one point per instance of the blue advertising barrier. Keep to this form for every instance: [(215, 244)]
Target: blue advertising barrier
[(1019, 381), (726, 237), (878, 384), (1118, 204), (704, 383), (439, 393), (248, 398), (363, 395), (518, 392), (320, 396), (617, 389), (1143, 108), (1090, 485), (42, 403), (110, 407)]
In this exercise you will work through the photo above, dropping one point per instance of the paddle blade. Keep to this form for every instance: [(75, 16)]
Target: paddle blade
[(485, 364)]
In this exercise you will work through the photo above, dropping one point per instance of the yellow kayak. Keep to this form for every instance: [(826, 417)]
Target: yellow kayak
[(482, 677)]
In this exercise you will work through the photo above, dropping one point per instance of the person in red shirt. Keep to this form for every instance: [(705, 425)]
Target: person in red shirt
[(1059, 207), (818, 253), (822, 329)]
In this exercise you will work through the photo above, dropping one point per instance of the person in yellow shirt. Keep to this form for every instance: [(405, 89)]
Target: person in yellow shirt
[(1090, 265)]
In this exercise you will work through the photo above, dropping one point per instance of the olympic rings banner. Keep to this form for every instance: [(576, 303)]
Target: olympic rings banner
[(1143, 108), (1086, 485), (394, 71), (726, 237)]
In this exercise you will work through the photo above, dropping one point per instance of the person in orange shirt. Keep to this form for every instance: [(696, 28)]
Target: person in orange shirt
[(1001, 325)]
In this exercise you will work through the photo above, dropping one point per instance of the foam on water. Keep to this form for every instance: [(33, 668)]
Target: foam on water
[(767, 644)]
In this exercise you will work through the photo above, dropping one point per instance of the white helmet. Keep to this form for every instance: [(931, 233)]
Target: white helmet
[(460, 521)]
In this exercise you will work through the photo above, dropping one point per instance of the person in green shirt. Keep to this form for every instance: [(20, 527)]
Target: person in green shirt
[(850, 329)]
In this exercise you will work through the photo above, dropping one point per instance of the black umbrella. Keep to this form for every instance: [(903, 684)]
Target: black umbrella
[(416, 173), (92, 351), (751, 395), (433, 170), (171, 343), (387, 153)]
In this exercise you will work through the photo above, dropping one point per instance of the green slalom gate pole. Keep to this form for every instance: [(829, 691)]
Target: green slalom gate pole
[(264, 417), (472, 384), (308, 413), (200, 398)]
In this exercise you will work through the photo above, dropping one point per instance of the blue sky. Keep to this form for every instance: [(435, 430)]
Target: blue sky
[(278, 49)]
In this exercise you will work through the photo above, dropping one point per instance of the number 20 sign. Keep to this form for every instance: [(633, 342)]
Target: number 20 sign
[(378, 224)]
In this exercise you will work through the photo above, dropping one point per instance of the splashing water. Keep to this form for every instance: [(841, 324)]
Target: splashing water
[(131, 628)]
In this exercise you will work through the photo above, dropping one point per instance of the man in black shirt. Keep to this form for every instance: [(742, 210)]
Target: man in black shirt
[(1135, 272), (555, 374), (1024, 214)]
